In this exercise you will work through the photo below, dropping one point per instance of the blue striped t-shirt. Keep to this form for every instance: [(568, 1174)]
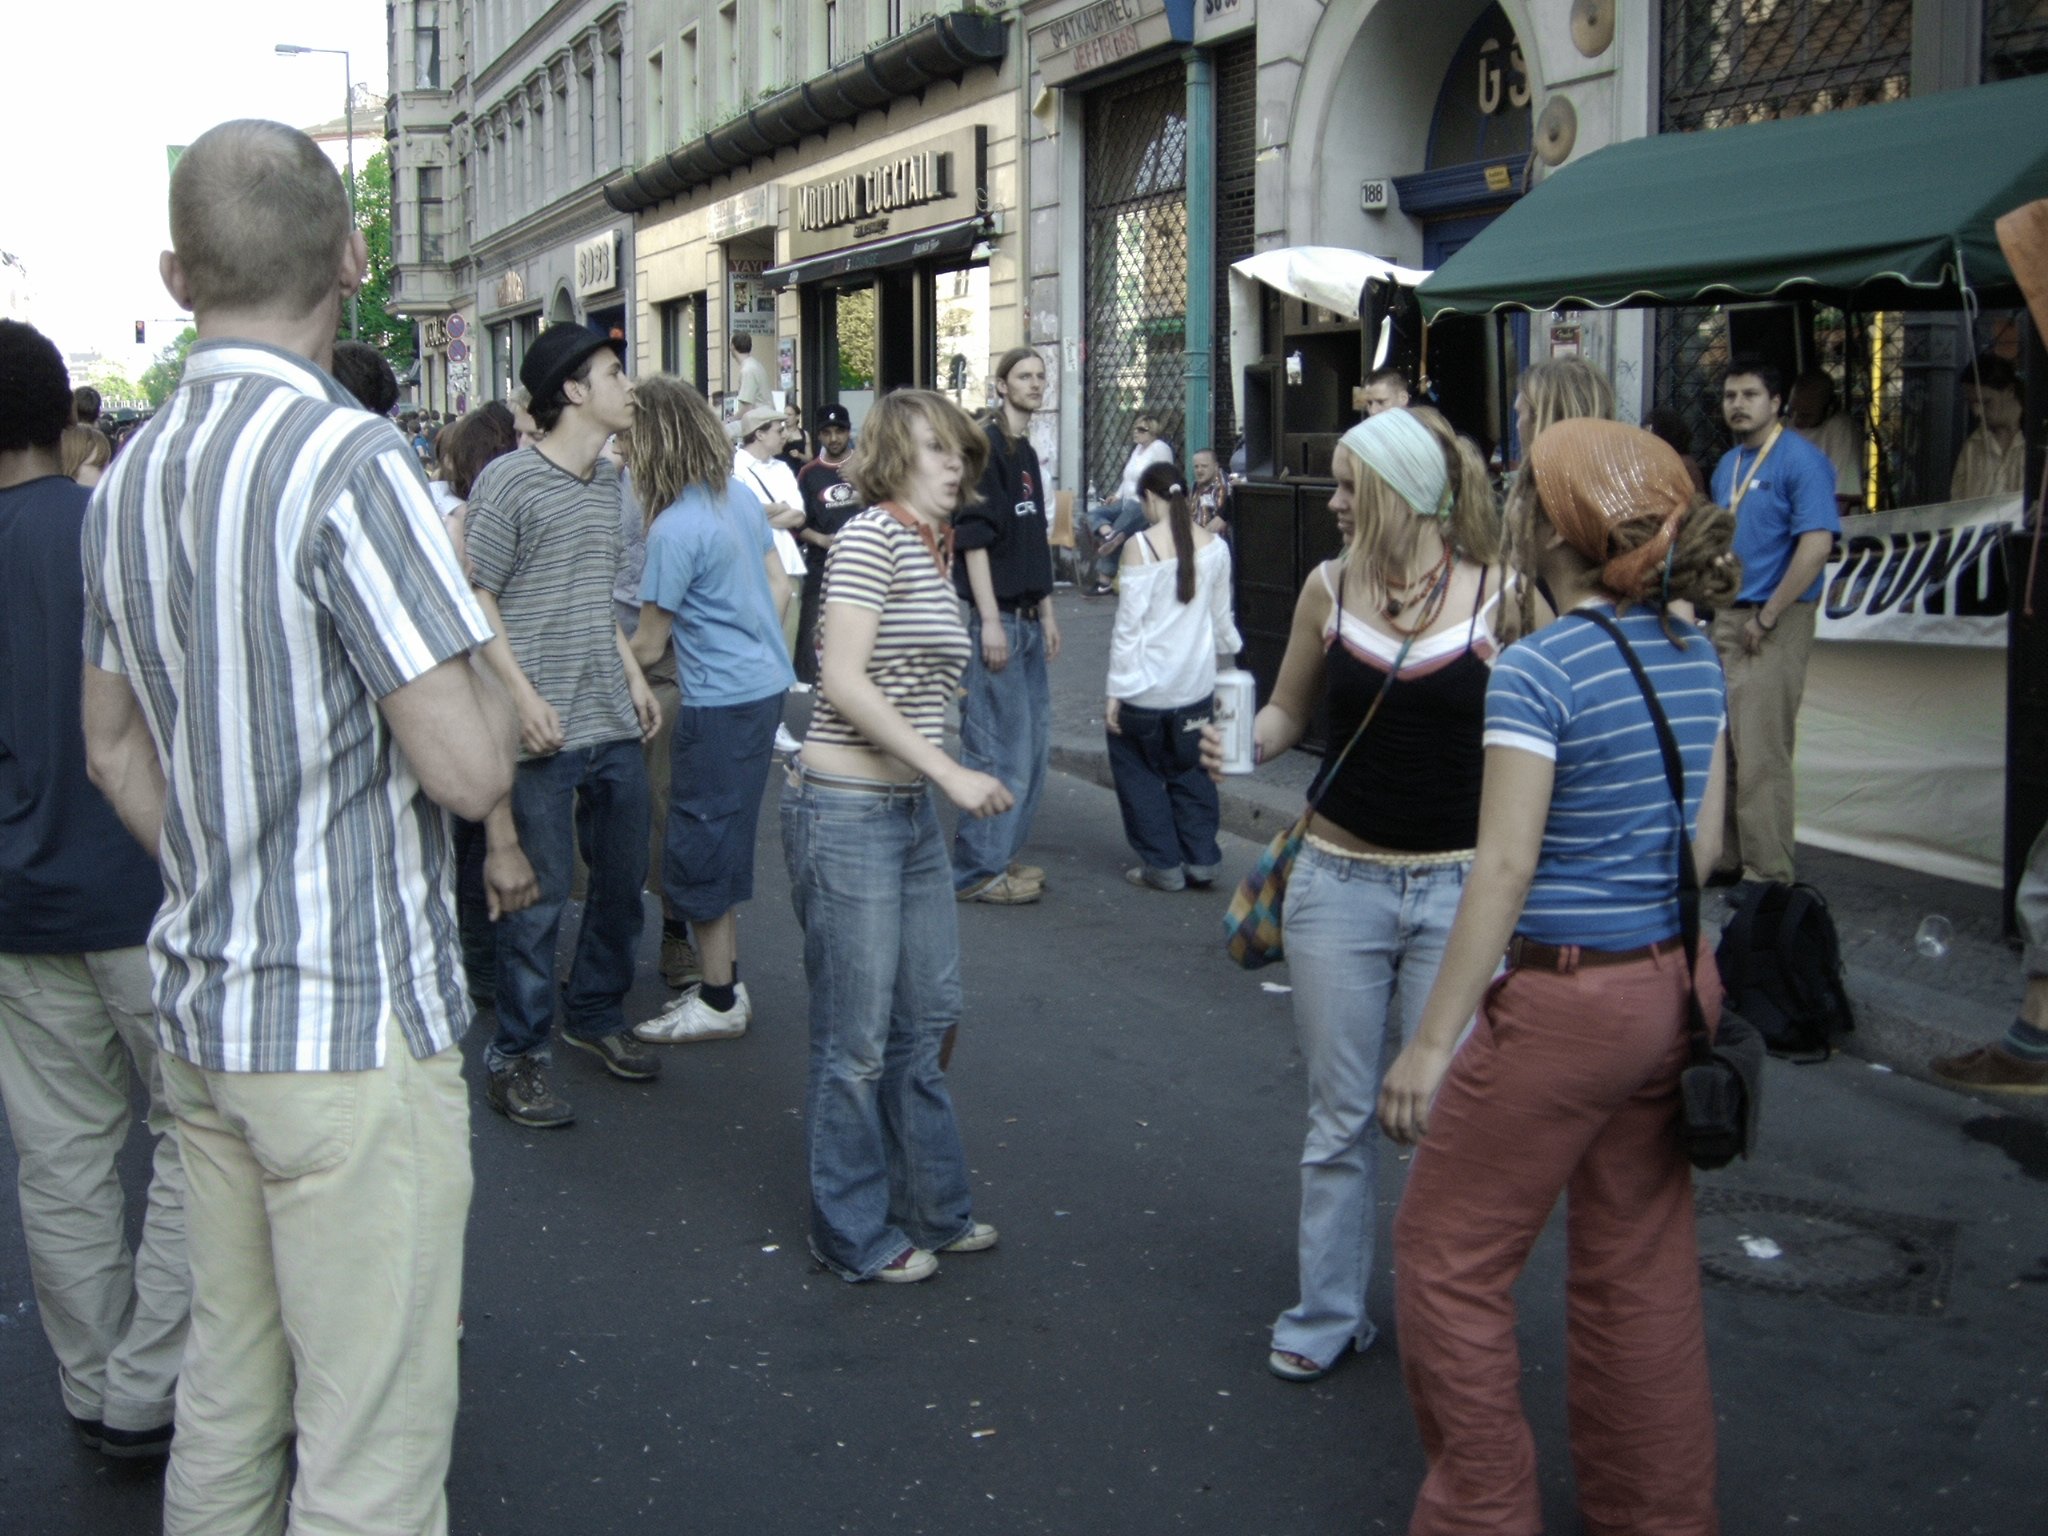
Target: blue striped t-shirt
[(1607, 873)]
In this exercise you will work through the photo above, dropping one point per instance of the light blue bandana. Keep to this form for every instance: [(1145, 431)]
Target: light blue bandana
[(1399, 449)]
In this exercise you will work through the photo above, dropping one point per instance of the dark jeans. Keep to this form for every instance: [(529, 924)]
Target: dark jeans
[(806, 657), (473, 911), (1169, 804), (1125, 518), (595, 799)]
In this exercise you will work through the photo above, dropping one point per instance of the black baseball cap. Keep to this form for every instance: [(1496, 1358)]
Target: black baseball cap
[(558, 352), (835, 416)]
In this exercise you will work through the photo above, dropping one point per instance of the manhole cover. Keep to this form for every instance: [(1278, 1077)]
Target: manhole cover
[(1865, 1260)]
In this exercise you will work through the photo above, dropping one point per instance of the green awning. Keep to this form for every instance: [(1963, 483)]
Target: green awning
[(1884, 207)]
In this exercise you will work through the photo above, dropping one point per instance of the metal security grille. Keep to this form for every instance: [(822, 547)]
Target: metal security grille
[(2015, 38), (1237, 113), (1137, 263), (1743, 61)]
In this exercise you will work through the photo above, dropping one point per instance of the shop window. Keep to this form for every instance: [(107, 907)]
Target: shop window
[(683, 338), (854, 353), (960, 334), (501, 361), (2015, 39)]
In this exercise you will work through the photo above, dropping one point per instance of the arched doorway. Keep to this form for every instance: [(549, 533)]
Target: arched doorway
[(562, 311)]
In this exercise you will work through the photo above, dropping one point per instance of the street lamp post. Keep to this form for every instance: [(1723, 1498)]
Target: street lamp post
[(348, 121)]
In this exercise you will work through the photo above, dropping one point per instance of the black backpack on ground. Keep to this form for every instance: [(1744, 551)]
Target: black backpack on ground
[(1781, 964)]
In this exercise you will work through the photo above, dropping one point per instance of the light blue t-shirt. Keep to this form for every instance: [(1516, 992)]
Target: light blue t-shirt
[(705, 566), (1793, 494), (1607, 875)]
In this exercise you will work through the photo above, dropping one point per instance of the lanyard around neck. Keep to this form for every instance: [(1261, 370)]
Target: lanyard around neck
[(1742, 490)]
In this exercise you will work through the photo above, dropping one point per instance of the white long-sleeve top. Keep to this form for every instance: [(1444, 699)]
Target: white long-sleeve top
[(1158, 451), (1163, 652)]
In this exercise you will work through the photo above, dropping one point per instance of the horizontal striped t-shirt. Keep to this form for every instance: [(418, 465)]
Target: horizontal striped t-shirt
[(921, 645), (1608, 871), (546, 545)]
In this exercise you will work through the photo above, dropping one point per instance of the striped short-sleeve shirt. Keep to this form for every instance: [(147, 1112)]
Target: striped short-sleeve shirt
[(546, 545), (263, 563), (921, 645), (1607, 874)]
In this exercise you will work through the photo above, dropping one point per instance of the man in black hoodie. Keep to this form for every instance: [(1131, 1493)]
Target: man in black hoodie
[(1004, 571)]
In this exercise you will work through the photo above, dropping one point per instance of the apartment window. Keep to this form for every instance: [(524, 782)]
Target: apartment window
[(689, 82), (590, 121), (483, 185), (615, 93), (561, 120), (894, 17), (728, 61), (523, 168), (426, 45), (432, 248), (537, 143), (834, 31), (468, 230), (773, 52), (654, 106)]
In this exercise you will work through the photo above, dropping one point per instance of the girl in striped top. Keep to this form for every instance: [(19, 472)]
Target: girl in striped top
[(1570, 1079), (869, 871)]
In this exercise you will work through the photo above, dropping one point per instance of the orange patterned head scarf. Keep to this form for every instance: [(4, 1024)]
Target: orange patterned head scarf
[(1596, 476)]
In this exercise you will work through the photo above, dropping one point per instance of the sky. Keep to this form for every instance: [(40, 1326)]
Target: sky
[(83, 171)]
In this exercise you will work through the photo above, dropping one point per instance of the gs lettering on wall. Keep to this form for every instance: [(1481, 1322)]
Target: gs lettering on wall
[(1929, 576), (434, 333), (1496, 83)]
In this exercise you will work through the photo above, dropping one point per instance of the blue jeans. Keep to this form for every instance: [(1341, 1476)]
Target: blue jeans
[(1005, 730), (1126, 518), (1363, 945), (594, 798), (1169, 804), (871, 883)]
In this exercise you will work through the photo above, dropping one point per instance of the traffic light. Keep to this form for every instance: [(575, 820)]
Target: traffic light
[(138, 333)]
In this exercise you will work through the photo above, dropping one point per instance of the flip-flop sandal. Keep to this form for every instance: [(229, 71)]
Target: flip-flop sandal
[(1289, 1366)]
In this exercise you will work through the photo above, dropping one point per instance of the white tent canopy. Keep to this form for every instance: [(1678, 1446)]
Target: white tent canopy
[(1325, 275)]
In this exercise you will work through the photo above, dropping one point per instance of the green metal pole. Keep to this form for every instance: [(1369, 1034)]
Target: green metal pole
[(1201, 315)]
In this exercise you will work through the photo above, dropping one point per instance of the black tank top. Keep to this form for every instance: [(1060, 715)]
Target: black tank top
[(1412, 782)]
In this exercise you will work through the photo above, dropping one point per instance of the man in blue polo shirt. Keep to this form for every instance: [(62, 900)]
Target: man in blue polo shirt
[(1782, 491)]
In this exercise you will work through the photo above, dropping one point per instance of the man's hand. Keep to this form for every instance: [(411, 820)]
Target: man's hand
[(540, 728), (1753, 635), (995, 643), (1049, 626), (509, 883), (645, 704), (1110, 709), (980, 795)]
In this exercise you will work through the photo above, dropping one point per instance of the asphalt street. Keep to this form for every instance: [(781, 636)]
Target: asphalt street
[(650, 1348)]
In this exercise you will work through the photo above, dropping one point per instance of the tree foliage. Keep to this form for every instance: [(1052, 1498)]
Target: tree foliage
[(113, 383), (161, 376), (379, 327)]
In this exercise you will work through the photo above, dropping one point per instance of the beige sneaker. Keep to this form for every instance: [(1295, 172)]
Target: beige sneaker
[(1003, 890), (1026, 874), (680, 967), (1993, 1069)]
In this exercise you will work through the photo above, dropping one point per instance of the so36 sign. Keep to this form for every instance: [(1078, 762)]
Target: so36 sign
[(597, 264)]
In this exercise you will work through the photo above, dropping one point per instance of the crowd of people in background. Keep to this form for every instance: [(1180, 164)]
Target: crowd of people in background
[(320, 781)]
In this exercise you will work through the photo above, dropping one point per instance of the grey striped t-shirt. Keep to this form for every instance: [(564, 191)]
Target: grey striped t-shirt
[(263, 563), (546, 545)]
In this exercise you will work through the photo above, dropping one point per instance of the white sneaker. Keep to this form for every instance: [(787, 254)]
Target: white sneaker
[(690, 1018), (786, 745), (799, 687)]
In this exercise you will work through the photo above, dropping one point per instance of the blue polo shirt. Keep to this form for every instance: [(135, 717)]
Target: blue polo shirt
[(1793, 494), (706, 566)]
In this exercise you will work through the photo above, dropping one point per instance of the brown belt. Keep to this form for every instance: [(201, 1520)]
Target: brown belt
[(1527, 954)]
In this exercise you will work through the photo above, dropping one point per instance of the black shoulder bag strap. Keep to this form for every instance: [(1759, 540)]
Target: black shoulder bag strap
[(1688, 876)]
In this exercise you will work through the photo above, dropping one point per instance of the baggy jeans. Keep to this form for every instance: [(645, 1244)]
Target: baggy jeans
[(1005, 730)]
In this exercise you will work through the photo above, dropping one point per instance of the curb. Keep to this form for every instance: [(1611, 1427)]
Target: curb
[(1884, 1036)]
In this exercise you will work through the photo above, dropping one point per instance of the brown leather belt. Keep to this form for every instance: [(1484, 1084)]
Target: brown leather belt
[(1527, 954)]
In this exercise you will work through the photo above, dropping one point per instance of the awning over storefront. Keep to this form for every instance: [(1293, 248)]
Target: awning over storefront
[(1884, 207), (1326, 275), (940, 240)]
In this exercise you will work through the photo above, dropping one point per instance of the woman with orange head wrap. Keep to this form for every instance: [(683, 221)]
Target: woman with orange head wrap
[(1569, 1082)]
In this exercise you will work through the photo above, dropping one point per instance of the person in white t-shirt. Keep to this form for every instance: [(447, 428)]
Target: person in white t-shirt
[(755, 465), (1122, 515)]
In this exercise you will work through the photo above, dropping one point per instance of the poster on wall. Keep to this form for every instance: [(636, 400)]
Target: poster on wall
[(785, 364), (1924, 576), (750, 303)]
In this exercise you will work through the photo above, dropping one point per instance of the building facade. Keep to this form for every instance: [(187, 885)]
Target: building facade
[(837, 180), (506, 118)]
